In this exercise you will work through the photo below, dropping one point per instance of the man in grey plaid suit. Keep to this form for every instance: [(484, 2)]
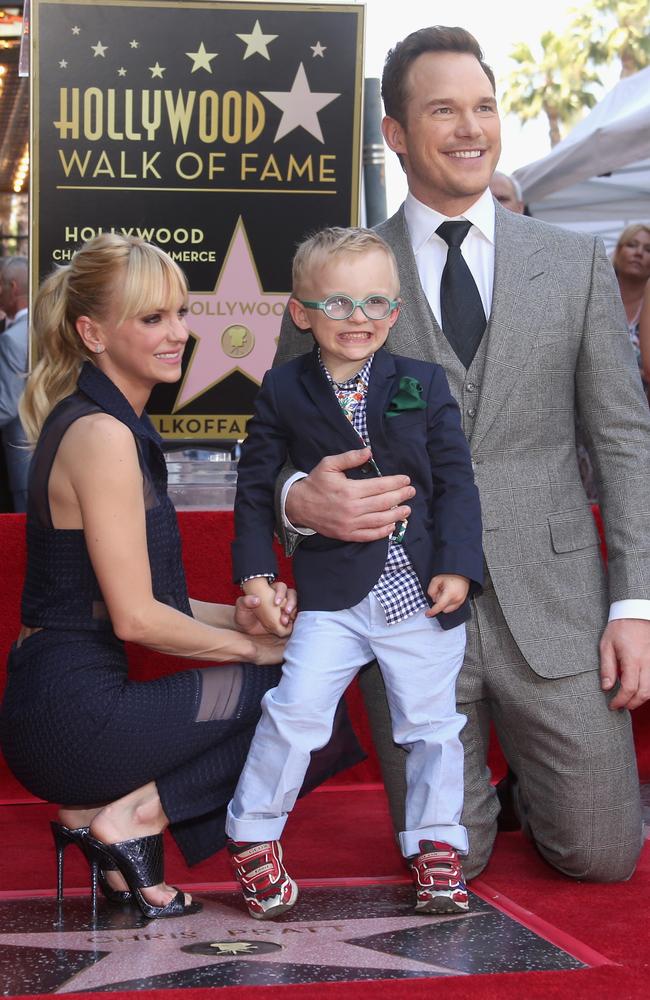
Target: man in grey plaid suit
[(558, 650)]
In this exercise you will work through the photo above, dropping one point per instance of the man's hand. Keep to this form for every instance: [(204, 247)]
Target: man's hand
[(625, 655), (447, 591), (246, 619), (351, 510)]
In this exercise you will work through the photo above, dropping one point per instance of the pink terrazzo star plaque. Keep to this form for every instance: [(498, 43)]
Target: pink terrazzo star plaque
[(236, 325)]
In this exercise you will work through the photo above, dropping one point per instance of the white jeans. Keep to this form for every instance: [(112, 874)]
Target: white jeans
[(419, 662)]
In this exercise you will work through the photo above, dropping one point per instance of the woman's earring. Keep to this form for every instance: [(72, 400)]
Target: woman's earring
[(98, 349)]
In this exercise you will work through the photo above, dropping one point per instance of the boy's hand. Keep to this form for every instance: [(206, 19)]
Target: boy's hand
[(447, 591), (270, 611), (246, 619)]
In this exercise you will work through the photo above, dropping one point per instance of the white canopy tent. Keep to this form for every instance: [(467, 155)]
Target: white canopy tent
[(597, 179)]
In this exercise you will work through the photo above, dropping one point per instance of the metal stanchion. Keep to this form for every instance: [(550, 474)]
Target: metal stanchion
[(374, 162)]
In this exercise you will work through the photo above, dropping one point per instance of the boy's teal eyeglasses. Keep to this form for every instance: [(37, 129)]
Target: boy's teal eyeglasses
[(342, 306)]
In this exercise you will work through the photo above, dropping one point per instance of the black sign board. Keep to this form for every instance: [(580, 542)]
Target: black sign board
[(222, 132)]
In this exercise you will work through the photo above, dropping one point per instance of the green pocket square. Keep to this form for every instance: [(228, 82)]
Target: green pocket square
[(409, 397)]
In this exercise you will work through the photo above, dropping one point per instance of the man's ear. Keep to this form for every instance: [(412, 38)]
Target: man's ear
[(90, 334), (299, 315), (393, 134)]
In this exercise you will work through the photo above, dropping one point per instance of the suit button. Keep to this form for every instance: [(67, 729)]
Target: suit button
[(471, 412), (470, 387)]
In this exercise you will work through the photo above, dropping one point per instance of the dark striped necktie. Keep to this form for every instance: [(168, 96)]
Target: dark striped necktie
[(463, 318)]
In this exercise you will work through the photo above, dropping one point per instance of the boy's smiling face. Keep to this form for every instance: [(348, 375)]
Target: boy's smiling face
[(346, 343)]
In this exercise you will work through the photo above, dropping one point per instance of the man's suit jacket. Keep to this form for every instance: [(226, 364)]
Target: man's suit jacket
[(557, 339), (13, 372), (298, 415)]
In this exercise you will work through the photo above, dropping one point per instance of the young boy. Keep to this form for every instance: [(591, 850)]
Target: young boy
[(402, 600)]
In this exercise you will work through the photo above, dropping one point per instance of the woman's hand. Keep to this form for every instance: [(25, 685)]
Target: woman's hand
[(269, 650), (246, 619)]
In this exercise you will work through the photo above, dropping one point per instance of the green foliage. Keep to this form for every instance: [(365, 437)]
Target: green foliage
[(616, 29), (561, 83)]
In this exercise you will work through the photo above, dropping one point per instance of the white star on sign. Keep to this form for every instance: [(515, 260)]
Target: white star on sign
[(157, 70), (318, 50), (100, 50), (134, 44), (63, 64), (256, 42), (75, 30), (202, 58), (121, 71), (299, 106)]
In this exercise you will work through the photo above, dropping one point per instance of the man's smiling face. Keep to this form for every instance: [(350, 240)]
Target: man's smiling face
[(450, 140)]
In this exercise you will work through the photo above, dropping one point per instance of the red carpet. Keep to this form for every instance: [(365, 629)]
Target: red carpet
[(340, 833)]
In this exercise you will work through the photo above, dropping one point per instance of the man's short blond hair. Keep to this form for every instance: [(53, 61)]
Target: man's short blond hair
[(332, 242)]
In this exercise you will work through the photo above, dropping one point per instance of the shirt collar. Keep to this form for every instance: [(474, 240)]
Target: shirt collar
[(363, 374), (423, 221), (19, 315)]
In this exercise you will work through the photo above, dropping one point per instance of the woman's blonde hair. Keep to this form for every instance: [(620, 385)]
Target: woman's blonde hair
[(109, 269), (628, 234)]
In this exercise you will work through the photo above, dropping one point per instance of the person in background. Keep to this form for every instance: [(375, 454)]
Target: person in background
[(631, 261), (507, 191), (14, 355), (644, 336)]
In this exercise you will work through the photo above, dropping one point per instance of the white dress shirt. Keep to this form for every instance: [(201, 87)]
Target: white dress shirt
[(431, 250)]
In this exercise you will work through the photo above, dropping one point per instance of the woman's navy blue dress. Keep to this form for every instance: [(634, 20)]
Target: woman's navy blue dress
[(74, 729)]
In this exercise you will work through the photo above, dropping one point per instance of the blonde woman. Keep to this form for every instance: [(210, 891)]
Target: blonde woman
[(104, 566), (631, 260)]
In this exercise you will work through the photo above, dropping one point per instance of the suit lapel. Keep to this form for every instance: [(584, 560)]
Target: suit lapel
[(413, 334), (324, 399), (518, 306), (381, 389)]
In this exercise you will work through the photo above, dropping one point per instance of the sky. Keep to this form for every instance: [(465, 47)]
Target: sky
[(497, 26)]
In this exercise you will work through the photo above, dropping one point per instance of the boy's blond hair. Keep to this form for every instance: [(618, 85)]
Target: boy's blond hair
[(331, 242)]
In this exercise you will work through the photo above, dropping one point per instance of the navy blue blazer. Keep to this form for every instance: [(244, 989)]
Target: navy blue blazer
[(297, 416)]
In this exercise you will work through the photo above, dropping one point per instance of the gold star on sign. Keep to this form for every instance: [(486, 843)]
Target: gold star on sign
[(256, 42), (157, 70), (232, 948), (202, 58), (121, 71), (100, 50)]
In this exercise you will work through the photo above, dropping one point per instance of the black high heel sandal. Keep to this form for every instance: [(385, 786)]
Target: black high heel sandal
[(63, 836), (140, 861)]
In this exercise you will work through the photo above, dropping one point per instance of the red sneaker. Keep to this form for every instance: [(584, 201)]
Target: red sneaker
[(438, 878), (267, 888)]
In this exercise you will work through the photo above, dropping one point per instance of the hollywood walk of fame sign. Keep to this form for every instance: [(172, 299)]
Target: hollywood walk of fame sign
[(222, 132)]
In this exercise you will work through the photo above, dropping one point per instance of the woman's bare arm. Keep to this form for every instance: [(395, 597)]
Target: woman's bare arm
[(99, 459)]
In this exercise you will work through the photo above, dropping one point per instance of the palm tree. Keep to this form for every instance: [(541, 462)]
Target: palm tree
[(615, 29), (557, 84)]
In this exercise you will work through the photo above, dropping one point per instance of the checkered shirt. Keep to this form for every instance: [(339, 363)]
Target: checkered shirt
[(398, 589)]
